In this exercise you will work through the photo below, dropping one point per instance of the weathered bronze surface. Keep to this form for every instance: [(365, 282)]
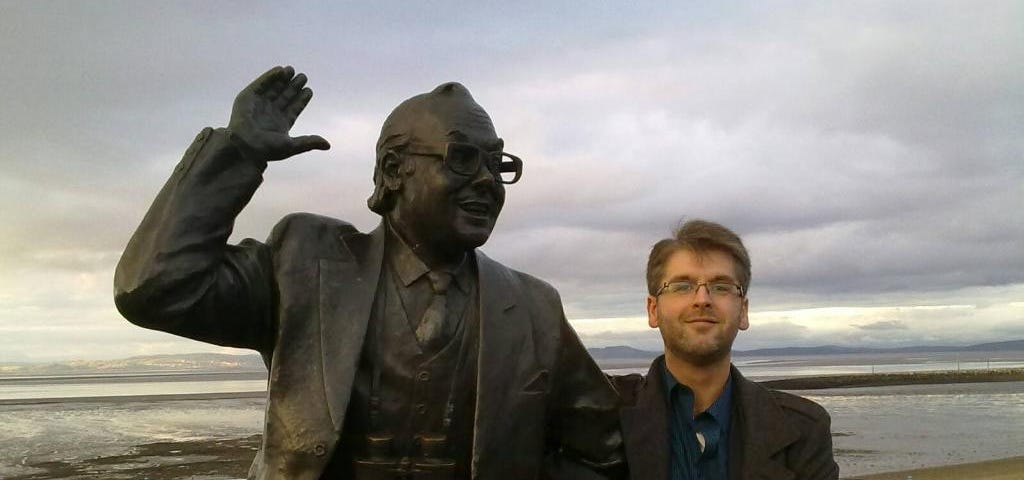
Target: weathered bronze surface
[(399, 353)]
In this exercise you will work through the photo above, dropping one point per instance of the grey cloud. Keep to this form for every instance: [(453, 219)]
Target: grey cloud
[(867, 153)]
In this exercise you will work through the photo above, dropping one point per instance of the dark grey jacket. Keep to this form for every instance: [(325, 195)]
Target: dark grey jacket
[(772, 435)]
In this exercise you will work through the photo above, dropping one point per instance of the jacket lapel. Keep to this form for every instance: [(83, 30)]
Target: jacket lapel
[(348, 286), (645, 428), (758, 433), (506, 357)]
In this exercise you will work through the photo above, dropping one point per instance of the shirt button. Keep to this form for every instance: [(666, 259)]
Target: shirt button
[(423, 376), (319, 450)]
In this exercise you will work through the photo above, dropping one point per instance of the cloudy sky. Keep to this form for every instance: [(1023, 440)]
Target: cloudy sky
[(869, 153)]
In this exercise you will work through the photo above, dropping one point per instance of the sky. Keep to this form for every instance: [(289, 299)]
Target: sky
[(869, 153)]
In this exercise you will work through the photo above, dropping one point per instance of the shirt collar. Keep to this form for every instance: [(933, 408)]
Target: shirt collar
[(410, 268), (719, 410)]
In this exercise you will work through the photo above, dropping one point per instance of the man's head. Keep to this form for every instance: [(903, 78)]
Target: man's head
[(697, 283), (437, 178)]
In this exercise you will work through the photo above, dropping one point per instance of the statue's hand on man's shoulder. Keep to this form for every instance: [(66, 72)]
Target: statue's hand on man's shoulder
[(265, 111)]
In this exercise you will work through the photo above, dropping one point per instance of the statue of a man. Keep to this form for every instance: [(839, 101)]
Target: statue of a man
[(399, 353)]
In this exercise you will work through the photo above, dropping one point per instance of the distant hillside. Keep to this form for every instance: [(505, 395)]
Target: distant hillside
[(606, 356), (185, 362), (629, 353), (1013, 345), (621, 353)]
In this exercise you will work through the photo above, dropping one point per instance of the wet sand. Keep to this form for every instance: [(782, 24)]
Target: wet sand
[(230, 459), (206, 460), (1005, 469)]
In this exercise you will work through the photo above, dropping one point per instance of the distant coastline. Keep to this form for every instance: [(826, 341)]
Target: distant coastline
[(614, 357), (893, 379)]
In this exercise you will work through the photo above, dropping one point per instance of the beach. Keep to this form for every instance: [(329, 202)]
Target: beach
[(229, 459), (1003, 469), (883, 428)]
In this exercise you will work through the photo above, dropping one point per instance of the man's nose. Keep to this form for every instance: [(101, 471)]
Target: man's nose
[(702, 296)]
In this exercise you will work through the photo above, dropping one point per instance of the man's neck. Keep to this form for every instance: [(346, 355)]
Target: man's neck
[(706, 381)]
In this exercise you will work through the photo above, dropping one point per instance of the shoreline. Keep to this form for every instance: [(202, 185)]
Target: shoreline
[(823, 382), (896, 379), (166, 397)]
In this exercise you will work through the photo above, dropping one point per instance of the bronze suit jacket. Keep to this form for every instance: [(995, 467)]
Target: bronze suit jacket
[(772, 435), (303, 300)]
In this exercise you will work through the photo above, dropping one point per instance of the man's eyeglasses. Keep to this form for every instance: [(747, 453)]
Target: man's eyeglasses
[(721, 289), (466, 158)]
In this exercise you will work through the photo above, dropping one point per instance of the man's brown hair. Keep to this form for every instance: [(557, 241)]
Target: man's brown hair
[(698, 236)]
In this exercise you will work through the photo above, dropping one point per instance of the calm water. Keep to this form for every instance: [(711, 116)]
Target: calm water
[(875, 429), (71, 387)]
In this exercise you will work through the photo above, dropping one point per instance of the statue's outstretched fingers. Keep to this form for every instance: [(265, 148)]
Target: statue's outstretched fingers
[(263, 82), (298, 104), (306, 143), (294, 88)]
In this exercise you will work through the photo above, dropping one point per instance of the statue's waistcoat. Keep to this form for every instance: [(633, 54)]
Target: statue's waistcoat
[(404, 391)]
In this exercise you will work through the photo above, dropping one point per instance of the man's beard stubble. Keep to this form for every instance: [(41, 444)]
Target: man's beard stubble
[(685, 348)]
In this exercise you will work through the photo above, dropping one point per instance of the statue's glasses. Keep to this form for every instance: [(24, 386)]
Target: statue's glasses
[(466, 158), (719, 289)]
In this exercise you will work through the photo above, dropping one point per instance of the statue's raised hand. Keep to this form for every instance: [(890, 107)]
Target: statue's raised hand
[(265, 110)]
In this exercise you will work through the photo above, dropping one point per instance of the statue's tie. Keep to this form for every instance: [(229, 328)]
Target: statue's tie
[(431, 327)]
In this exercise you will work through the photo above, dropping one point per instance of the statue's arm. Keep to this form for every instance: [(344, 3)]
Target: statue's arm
[(586, 408), (178, 274)]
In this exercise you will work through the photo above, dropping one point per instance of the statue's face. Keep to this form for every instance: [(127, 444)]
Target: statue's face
[(438, 209)]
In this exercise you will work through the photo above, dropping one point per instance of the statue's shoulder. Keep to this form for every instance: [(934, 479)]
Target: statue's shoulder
[(309, 227), (530, 285), (535, 284)]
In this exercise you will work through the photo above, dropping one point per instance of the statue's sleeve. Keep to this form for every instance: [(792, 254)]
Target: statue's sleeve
[(179, 275), (586, 417)]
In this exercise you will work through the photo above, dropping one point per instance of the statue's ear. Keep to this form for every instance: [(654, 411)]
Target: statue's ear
[(391, 171)]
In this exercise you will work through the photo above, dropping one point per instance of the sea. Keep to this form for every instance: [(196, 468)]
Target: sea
[(874, 429)]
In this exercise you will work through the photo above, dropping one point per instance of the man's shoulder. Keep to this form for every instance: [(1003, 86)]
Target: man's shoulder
[(628, 387), (799, 408)]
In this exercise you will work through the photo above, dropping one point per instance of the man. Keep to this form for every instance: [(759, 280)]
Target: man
[(694, 416), (401, 353)]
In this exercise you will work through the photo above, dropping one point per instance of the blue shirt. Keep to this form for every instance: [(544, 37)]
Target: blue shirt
[(688, 461)]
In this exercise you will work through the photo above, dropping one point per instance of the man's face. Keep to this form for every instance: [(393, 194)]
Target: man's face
[(697, 327), (443, 211)]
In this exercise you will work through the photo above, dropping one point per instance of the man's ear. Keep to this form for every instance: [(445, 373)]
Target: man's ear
[(744, 321), (391, 170), (652, 311)]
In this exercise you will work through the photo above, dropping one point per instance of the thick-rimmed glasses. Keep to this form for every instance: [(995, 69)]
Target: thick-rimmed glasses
[(720, 288), (466, 158)]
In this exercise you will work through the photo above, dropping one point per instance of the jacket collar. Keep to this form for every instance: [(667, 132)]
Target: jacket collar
[(348, 286), (645, 427), (758, 431)]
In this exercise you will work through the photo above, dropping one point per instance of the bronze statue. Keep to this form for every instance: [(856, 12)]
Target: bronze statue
[(399, 353)]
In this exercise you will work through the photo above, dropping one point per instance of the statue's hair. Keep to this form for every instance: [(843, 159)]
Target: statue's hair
[(698, 236), (448, 102)]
